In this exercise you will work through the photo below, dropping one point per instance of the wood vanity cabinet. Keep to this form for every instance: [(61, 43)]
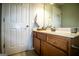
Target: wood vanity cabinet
[(74, 47), (55, 45), (43, 48), (36, 44), (53, 51)]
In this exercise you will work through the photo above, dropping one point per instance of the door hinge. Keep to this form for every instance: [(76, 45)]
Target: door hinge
[(3, 19)]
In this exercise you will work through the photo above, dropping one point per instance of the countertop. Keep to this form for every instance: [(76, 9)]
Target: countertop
[(65, 34)]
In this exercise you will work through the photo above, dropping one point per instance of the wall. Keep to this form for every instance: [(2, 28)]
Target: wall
[(70, 15), (0, 26)]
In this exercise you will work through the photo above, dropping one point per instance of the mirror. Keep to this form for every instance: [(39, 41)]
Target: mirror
[(59, 15), (52, 15), (48, 15), (62, 14)]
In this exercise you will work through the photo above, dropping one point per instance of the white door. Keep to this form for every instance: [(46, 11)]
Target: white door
[(16, 28)]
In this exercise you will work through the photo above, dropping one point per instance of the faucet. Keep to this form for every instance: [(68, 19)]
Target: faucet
[(49, 26)]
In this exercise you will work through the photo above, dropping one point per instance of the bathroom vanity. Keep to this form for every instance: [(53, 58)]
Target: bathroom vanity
[(47, 43)]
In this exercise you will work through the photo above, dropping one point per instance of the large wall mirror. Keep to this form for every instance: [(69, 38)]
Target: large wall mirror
[(58, 15), (52, 15), (48, 15), (63, 14)]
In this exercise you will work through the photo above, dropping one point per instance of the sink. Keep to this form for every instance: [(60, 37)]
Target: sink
[(64, 30)]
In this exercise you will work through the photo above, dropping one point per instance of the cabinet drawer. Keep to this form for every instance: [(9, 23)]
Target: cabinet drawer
[(75, 41), (57, 41), (41, 36)]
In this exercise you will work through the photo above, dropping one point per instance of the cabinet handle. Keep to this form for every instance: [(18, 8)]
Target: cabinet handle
[(76, 47)]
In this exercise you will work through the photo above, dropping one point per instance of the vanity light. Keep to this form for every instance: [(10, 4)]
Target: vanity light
[(51, 3)]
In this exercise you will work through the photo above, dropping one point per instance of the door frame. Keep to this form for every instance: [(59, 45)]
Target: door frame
[(2, 30)]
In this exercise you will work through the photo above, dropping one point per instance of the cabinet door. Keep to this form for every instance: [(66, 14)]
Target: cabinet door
[(43, 48), (37, 45), (74, 47), (74, 51), (52, 51), (58, 41)]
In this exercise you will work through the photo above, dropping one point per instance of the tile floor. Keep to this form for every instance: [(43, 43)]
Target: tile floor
[(27, 53)]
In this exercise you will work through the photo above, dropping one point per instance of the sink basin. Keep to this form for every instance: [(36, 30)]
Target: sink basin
[(64, 30)]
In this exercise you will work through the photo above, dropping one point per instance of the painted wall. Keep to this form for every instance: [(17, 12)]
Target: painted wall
[(70, 15)]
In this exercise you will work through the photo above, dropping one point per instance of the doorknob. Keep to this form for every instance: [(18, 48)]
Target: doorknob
[(27, 25)]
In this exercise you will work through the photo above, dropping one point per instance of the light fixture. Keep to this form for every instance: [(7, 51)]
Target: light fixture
[(51, 3)]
